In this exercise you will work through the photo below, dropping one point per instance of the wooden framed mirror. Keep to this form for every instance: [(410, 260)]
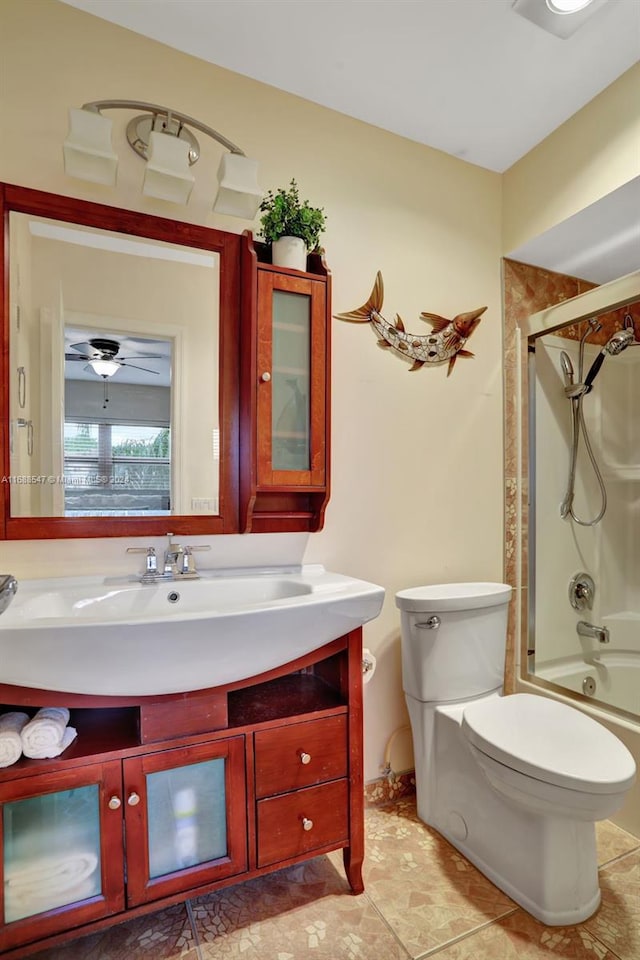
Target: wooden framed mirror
[(119, 383)]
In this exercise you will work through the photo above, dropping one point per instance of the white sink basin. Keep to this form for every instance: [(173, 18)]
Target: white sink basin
[(122, 638)]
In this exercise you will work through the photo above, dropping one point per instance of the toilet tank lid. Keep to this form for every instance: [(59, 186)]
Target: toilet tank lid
[(441, 597), (549, 741)]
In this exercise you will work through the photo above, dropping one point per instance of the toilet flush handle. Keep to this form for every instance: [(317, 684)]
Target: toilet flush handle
[(431, 624)]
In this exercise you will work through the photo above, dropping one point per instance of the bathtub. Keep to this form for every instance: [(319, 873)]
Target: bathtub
[(610, 680), (617, 688)]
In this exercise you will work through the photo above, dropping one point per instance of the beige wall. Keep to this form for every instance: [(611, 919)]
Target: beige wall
[(593, 153), (417, 458)]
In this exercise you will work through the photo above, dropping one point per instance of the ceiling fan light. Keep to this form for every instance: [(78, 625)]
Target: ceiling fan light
[(104, 368), (167, 175), (238, 193), (88, 154)]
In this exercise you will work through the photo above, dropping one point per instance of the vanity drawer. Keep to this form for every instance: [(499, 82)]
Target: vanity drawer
[(305, 820), (300, 755)]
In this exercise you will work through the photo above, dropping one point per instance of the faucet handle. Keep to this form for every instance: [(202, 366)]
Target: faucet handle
[(151, 564), (188, 564)]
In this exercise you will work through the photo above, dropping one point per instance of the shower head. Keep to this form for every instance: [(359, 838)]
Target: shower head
[(620, 340), (567, 368)]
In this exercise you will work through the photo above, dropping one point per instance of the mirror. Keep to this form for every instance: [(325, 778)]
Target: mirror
[(118, 420)]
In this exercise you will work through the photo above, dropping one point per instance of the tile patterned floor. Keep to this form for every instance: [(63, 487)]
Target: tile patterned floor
[(422, 899)]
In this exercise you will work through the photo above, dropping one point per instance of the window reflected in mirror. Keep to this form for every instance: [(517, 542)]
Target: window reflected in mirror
[(117, 426), (114, 373)]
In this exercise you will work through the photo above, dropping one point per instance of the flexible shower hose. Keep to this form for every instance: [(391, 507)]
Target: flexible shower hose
[(577, 425)]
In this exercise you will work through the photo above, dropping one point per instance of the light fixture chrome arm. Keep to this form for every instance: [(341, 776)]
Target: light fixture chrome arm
[(164, 139), (96, 106)]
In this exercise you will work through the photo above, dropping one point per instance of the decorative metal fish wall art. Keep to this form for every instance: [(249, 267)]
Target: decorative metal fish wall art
[(445, 342)]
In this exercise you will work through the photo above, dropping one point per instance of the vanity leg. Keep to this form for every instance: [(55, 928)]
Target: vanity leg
[(353, 869), (353, 855)]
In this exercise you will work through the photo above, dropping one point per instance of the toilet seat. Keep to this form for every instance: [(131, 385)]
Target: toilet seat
[(550, 742)]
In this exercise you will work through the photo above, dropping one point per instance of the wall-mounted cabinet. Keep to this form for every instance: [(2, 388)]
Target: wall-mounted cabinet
[(170, 799), (285, 393)]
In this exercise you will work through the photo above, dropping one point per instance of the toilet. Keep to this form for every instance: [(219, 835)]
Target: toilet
[(515, 783)]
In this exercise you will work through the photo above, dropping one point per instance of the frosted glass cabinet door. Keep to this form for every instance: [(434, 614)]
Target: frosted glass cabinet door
[(185, 813), (292, 386), (54, 852), (51, 851), (186, 816), (290, 370)]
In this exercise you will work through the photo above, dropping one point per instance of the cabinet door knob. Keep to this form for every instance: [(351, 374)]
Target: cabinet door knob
[(133, 799), (265, 377), (307, 824), (305, 758), (114, 803)]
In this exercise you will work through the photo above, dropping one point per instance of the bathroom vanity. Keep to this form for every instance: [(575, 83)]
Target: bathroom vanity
[(168, 797)]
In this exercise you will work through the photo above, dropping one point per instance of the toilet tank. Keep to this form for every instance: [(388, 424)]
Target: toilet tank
[(453, 639)]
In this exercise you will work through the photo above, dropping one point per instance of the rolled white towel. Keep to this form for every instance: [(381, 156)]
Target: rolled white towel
[(47, 735), (11, 726), (40, 884)]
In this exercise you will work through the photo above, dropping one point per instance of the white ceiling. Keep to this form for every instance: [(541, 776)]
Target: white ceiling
[(469, 77)]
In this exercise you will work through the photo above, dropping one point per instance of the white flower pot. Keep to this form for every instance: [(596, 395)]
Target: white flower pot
[(289, 252)]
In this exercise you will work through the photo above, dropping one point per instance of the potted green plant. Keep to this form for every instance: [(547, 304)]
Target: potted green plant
[(291, 226)]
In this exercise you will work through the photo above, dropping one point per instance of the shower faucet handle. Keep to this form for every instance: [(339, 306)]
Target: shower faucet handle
[(582, 591)]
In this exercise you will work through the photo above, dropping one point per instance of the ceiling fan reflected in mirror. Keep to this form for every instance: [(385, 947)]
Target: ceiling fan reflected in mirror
[(101, 356)]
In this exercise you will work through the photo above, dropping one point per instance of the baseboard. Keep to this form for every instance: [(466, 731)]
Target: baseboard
[(392, 787)]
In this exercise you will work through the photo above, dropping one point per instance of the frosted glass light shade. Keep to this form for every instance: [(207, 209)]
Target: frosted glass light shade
[(104, 368), (238, 194), (88, 154), (167, 175)]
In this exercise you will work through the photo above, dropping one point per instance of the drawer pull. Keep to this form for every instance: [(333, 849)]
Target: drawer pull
[(133, 799), (114, 803), (305, 758), (307, 824)]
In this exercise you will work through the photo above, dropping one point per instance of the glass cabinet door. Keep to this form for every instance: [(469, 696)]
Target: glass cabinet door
[(55, 833), (292, 388), (185, 814), (290, 370), (51, 851)]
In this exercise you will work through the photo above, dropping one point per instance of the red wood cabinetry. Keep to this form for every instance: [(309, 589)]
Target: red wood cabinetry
[(284, 393), (140, 812)]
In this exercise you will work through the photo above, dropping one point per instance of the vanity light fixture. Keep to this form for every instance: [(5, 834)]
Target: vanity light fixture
[(162, 137), (559, 17), (104, 368)]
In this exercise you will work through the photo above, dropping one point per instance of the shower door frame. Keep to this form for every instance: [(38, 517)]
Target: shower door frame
[(603, 299)]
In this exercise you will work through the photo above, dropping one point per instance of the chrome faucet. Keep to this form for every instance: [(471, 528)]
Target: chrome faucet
[(173, 558), (178, 562), (601, 634), (8, 589)]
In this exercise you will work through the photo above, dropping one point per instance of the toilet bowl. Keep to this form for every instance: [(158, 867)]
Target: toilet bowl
[(515, 783)]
